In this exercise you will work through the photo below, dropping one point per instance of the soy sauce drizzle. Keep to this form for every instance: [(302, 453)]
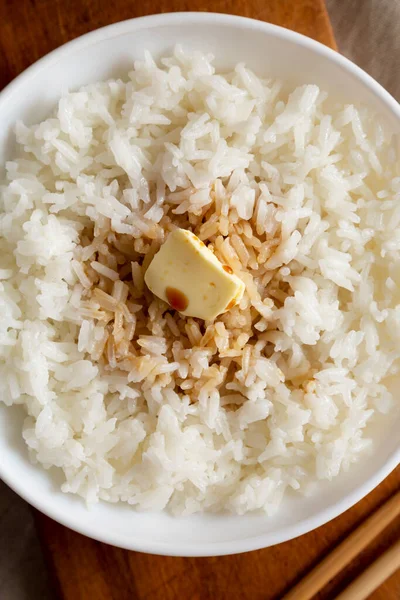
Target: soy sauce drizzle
[(176, 299)]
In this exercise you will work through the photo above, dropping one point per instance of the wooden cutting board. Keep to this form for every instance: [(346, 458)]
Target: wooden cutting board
[(83, 569)]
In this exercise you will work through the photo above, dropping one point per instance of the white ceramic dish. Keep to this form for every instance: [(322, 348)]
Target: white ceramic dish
[(269, 50)]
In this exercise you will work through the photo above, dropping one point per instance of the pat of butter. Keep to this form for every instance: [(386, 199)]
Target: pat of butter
[(187, 275)]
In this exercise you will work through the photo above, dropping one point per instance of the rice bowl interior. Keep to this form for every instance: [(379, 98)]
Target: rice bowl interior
[(296, 192)]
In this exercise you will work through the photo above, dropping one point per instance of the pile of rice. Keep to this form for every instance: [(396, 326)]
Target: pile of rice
[(298, 194)]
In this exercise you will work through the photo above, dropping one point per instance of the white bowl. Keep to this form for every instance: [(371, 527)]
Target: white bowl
[(269, 50)]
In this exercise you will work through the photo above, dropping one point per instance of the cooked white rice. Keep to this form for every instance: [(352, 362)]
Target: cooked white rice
[(297, 193)]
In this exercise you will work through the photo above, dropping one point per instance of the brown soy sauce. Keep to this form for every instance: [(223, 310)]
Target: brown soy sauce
[(176, 299)]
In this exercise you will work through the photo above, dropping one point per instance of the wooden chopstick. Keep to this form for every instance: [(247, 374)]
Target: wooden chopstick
[(346, 551), (372, 577)]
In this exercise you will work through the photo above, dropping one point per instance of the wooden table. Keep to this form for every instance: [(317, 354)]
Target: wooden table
[(83, 569)]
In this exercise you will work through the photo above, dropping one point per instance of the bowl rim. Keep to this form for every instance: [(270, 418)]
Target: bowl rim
[(321, 517)]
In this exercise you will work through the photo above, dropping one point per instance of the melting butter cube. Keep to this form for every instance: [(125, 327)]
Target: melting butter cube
[(187, 275)]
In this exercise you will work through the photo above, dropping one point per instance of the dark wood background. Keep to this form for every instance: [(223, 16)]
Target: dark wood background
[(83, 569)]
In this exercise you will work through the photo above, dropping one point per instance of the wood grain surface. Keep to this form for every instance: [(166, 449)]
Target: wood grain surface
[(83, 569), (31, 28)]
